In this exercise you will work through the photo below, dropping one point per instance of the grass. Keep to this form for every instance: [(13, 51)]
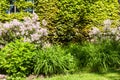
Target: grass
[(85, 76)]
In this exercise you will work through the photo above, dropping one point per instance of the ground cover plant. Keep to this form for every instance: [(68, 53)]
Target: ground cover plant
[(86, 76), (77, 76), (91, 57)]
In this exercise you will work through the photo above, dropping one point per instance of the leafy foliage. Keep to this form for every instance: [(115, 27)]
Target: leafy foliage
[(23, 4), (9, 17), (20, 4), (3, 6), (17, 58), (102, 10), (69, 20)]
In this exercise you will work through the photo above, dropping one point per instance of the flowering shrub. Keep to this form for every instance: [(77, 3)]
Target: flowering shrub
[(29, 29), (107, 32)]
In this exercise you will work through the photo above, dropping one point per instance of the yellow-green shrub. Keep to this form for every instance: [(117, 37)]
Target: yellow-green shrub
[(17, 58), (9, 17), (68, 18)]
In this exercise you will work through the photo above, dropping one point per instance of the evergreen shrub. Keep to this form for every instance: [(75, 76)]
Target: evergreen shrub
[(69, 20)]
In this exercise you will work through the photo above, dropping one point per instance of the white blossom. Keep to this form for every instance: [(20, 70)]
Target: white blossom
[(6, 25), (43, 32), (94, 31), (107, 24), (15, 22), (35, 17), (44, 22)]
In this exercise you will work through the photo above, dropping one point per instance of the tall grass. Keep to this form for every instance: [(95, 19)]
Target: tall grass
[(97, 57), (53, 60)]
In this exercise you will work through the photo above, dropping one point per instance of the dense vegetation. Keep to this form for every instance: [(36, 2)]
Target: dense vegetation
[(69, 20), (62, 36)]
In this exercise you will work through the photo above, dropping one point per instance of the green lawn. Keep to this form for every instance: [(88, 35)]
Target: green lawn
[(85, 76)]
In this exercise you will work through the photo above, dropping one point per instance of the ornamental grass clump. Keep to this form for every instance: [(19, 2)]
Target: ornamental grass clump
[(29, 29), (53, 60)]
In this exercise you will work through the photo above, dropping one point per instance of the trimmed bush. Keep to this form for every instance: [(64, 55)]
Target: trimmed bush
[(53, 60), (17, 58)]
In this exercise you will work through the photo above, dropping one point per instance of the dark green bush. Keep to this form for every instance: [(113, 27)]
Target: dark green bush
[(76, 51), (68, 19), (17, 58), (53, 60), (97, 57), (111, 49)]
